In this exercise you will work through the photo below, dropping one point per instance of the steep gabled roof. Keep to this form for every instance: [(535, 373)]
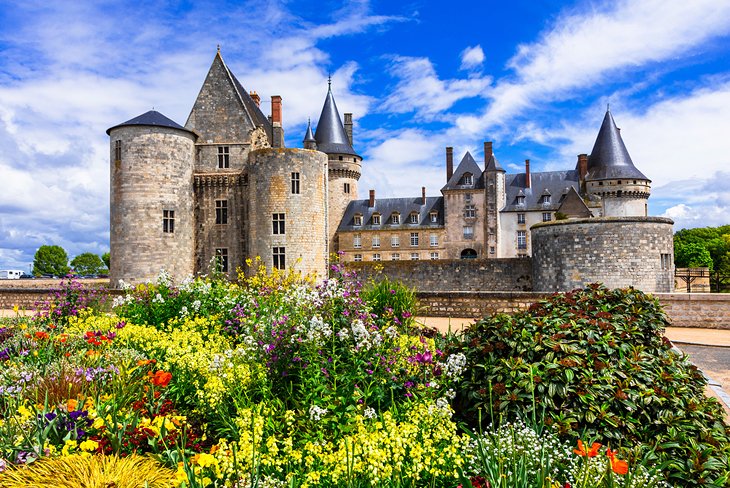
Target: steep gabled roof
[(252, 108), (330, 135), (467, 165), (493, 165), (151, 118), (557, 184), (609, 158), (573, 205), (386, 207)]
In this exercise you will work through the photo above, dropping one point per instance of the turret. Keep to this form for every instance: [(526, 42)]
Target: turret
[(494, 196), (309, 141)]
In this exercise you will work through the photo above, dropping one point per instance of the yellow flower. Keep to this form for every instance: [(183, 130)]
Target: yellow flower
[(205, 460), (89, 445), (24, 412), (69, 446), (15, 309)]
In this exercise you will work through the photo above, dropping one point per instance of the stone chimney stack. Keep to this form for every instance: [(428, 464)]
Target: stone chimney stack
[(371, 203), (278, 130), (582, 167), (348, 127), (528, 182), (256, 98), (423, 195), (487, 152), (449, 163)]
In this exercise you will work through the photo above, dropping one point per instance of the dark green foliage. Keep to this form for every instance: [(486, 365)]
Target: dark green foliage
[(391, 300), (107, 259), (594, 364), (716, 240), (692, 255), (87, 263), (50, 260)]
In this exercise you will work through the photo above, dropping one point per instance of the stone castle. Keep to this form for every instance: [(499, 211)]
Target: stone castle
[(224, 188)]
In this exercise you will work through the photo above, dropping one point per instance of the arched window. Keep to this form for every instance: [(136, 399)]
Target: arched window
[(468, 254)]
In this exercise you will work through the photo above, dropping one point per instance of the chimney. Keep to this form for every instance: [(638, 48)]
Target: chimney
[(371, 203), (348, 127), (582, 167), (277, 129), (487, 152), (449, 163), (423, 195), (256, 98), (527, 174)]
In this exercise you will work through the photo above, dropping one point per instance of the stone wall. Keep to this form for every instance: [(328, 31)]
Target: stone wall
[(616, 251), (709, 310), (452, 274)]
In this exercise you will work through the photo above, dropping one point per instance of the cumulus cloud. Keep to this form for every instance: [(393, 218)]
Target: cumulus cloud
[(472, 57)]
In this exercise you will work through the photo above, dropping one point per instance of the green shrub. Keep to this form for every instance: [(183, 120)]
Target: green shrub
[(391, 300), (593, 364)]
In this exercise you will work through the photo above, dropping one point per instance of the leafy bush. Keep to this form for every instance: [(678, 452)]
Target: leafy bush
[(594, 364), (392, 299)]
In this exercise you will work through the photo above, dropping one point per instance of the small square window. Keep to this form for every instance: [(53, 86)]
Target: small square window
[(395, 256), (414, 256), (467, 197), (279, 255), (376, 257), (434, 217), (358, 220), (358, 258), (547, 216), (468, 232), (434, 255), (224, 157), (491, 249), (395, 218), (470, 212), (520, 200), (413, 218), (295, 183), (376, 219), (520, 218)]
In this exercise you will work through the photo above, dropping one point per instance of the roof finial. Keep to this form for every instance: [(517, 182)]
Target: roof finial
[(608, 107), (219, 48), (329, 80)]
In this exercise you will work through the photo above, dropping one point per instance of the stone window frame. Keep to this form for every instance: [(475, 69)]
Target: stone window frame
[(278, 224), (414, 239), (346, 188), (358, 258), (358, 219), (395, 218), (413, 218), (434, 217), (470, 211), (395, 256), (278, 255), (376, 241), (376, 219), (168, 221), (221, 212), (357, 241), (295, 183), (467, 197), (520, 199), (467, 179), (492, 250), (221, 260), (117, 150), (547, 216), (520, 218), (665, 260), (434, 240), (434, 255), (395, 240), (224, 157), (376, 256), (468, 232), (415, 256), (521, 239), (545, 199)]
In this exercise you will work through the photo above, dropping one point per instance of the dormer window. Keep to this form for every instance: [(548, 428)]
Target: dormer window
[(376, 219), (413, 218), (467, 179), (358, 219), (395, 218), (434, 217), (545, 199), (520, 199)]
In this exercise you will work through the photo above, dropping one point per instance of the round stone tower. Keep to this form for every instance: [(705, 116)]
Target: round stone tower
[(612, 176), (288, 209), (151, 226), (335, 139)]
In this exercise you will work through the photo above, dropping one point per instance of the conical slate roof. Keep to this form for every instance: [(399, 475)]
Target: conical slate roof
[(493, 165), (153, 118), (309, 137), (330, 135), (609, 158)]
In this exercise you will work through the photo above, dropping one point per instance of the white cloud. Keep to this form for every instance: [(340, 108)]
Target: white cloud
[(472, 57)]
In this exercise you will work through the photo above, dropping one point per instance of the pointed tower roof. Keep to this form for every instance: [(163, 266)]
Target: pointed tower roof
[(330, 134), (609, 158), (493, 165), (309, 137), (151, 118), (467, 165)]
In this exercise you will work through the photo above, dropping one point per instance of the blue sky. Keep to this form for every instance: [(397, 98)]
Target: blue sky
[(534, 76)]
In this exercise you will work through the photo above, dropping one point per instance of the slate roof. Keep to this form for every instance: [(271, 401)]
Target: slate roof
[(467, 165), (386, 206), (309, 137), (553, 183), (609, 158), (493, 165), (257, 116), (151, 118), (330, 135)]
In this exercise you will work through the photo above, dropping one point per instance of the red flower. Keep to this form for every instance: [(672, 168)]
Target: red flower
[(41, 335), (161, 378), (592, 452)]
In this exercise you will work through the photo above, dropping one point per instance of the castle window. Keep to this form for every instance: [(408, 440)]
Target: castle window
[(520, 218), (434, 255), (358, 219), (278, 224), (358, 258), (221, 212), (467, 179), (520, 199), (295, 183), (279, 255), (666, 261), (521, 239), (117, 150), (395, 256), (434, 240), (224, 157), (357, 241), (346, 188), (340, 158), (434, 217), (414, 256), (547, 216), (376, 241), (545, 199), (491, 249), (395, 218), (600, 183), (467, 197), (414, 239), (376, 219), (413, 218), (470, 212), (376, 257), (394, 241), (221, 260), (468, 232), (168, 221)]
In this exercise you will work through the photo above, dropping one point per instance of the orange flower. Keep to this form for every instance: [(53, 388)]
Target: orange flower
[(161, 378), (592, 452), (617, 465), (41, 335), (62, 338), (71, 404), (145, 362)]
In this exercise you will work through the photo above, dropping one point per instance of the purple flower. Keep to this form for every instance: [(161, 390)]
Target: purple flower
[(50, 416)]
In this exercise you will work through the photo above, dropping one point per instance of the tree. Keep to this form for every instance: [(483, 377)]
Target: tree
[(693, 255), (107, 259), (50, 260), (87, 263)]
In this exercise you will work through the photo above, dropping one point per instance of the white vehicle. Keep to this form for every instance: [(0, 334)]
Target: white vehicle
[(10, 274)]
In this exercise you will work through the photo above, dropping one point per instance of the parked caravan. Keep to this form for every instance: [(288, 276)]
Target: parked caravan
[(10, 274)]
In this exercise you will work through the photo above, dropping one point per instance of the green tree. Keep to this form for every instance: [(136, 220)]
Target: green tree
[(87, 263), (50, 260), (107, 259), (693, 255)]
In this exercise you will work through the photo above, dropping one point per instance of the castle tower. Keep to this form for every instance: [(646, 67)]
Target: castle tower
[(494, 199), (309, 141), (151, 199), (611, 175), (343, 163)]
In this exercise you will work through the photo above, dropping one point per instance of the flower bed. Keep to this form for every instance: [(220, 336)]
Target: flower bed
[(272, 382)]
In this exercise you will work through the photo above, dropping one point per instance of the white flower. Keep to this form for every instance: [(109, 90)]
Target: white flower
[(158, 299), (455, 365), (369, 413), (316, 413)]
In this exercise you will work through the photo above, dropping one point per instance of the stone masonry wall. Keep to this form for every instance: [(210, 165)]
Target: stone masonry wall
[(616, 251), (456, 274)]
